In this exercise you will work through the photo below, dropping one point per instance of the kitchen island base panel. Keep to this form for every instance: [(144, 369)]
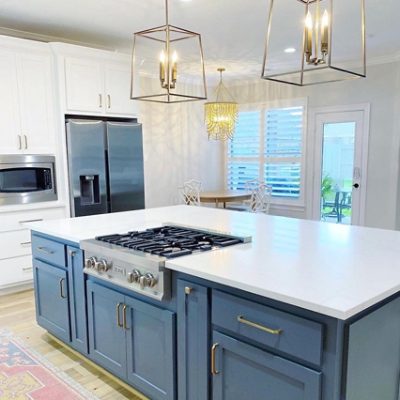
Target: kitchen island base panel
[(96, 366), (358, 352), (373, 355)]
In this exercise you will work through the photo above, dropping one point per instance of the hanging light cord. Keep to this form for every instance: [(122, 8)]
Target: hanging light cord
[(221, 89)]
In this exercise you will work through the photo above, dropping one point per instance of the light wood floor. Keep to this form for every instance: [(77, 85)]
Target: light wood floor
[(17, 313)]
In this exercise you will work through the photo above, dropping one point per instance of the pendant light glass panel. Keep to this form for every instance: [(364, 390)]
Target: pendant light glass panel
[(167, 66), (316, 41)]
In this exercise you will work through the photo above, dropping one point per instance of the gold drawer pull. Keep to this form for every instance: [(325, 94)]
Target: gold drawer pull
[(63, 296), (213, 351), (125, 326), (242, 320), (44, 250), (118, 316)]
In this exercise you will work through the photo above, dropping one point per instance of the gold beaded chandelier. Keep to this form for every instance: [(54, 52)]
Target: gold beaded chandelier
[(221, 115)]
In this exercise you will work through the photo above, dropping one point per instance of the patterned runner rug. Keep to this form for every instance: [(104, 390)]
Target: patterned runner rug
[(26, 375)]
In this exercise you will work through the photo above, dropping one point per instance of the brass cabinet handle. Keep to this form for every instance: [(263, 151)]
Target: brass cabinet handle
[(213, 351), (263, 328), (100, 100), (26, 142), (124, 316), (109, 101), (188, 290), (27, 269), (118, 316), (62, 288), (44, 250), (19, 142), (72, 253), (25, 243)]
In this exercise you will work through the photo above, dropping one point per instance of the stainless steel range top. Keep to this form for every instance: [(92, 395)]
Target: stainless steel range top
[(136, 260)]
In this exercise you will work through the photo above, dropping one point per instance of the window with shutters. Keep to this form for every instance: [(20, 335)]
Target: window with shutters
[(268, 145)]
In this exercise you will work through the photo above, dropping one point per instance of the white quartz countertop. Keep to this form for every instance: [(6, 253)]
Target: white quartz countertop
[(332, 269)]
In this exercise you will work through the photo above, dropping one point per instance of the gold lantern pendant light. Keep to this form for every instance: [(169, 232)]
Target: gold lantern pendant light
[(221, 115), (330, 51), (167, 53)]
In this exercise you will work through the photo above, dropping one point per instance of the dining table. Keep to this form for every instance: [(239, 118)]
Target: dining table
[(224, 196)]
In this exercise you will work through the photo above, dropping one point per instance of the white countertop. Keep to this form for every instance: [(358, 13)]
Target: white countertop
[(332, 269)]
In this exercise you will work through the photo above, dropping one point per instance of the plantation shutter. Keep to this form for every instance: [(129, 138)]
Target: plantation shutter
[(268, 145), (244, 151), (283, 132)]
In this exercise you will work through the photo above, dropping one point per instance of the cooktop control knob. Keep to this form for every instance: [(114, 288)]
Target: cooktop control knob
[(151, 280), (147, 280), (90, 262), (136, 275), (102, 265)]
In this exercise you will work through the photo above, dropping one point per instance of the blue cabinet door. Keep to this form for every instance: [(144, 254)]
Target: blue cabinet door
[(150, 335), (77, 299), (107, 344), (193, 343), (51, 296), (246, 372)]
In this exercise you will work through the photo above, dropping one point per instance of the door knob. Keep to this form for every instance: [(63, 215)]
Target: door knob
[(356, 186)]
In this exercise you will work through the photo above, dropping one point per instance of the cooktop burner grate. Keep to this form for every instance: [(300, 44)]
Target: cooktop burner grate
[(170, 241)]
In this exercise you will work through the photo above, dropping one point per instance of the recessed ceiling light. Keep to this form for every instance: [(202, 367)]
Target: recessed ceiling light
[(290, 50)]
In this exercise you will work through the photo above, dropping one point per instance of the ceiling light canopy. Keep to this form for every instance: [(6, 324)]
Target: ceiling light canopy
[(221, 115), (330, 50), (168, 65)]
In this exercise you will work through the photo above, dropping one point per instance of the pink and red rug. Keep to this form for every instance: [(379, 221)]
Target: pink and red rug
[(26, 375)]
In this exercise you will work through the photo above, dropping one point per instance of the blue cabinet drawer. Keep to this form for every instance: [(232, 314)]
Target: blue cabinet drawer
[(48, 250), (295, 336)]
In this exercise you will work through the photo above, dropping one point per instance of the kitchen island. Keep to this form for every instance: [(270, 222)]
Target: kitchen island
[(306, 310)]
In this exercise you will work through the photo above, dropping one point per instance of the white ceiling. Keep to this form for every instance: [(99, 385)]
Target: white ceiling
[(232, 31)]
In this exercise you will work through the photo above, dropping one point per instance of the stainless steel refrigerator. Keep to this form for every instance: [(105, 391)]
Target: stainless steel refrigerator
[(105, 165)]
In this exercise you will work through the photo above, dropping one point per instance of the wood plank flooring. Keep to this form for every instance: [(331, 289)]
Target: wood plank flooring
[(17, 313)]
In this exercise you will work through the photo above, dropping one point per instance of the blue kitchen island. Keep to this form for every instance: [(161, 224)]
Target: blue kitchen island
[(305, 311)]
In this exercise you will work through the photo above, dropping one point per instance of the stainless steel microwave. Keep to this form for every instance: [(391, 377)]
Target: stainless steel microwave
[(27, 179)]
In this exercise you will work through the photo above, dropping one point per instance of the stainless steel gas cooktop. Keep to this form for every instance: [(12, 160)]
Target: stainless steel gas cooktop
[(136, 259)]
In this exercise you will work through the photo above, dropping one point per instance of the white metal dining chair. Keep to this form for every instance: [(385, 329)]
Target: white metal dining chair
[(260, 197), (190, 192)]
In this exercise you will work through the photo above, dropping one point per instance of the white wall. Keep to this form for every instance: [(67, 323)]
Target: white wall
[(176, 148), (381, 89)]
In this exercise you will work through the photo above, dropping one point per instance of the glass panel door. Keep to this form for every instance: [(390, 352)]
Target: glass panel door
[(337, 171), (340, 164)]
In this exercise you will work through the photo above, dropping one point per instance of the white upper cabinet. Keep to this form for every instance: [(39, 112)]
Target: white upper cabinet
[(26, 98), (36, 105), (94, 85), (84, 85), (10, 132), (118, 90)]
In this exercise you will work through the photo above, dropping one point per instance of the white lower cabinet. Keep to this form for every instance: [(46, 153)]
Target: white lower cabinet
[(15, 271), (14, 221), (15, 245)]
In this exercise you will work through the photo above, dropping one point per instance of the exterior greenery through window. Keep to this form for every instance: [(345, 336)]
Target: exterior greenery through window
[(268, 145)]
